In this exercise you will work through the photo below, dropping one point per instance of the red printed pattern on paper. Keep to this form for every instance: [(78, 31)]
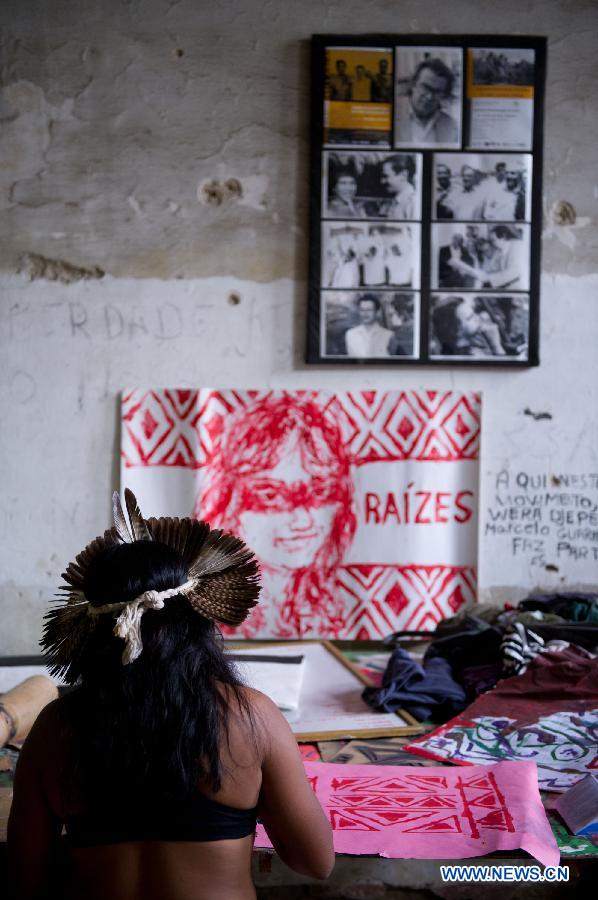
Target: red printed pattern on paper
[(419, 804)]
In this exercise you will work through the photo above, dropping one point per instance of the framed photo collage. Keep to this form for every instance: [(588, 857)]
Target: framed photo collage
[(425, 213)]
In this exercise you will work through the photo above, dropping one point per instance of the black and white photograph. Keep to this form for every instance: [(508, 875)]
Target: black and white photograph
[(371, 185), (507, 65), (369, 324), (428, 96), (485, 326), (364, 254), (426, 249), (481, 256), (488, 187)]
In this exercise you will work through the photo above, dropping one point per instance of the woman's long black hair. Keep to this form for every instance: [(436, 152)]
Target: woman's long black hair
[(157, 723)]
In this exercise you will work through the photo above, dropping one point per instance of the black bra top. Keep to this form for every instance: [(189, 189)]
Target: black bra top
[(196, 818)]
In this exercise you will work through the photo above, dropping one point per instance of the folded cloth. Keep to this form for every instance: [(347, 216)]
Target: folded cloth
[(578, 633), (469, 619), (477, 679), (529, 617), (571, 605), (426, 693), (519, 646), (484, 612), (550, 626), (476, 643)]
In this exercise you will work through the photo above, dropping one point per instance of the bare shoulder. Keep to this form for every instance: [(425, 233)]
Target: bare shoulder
[(46, 746), (49, 723), (254, 710), (252, 701), (260, 702), (266, 713)]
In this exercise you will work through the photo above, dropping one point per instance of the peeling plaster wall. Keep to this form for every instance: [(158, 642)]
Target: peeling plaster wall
[(114, 116), (154, 161)]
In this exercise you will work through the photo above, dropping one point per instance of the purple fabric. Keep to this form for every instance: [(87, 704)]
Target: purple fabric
[(426, 693)]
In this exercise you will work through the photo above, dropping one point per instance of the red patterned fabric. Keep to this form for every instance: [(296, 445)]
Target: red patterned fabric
[(361, 506)]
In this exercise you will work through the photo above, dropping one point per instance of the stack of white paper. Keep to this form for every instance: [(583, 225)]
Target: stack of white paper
[(279, 676)]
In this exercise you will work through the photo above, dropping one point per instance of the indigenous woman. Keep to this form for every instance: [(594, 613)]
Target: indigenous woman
[(157, 763)]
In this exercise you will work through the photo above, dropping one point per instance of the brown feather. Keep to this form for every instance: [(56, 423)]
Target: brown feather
[(220, 551), (75, 571), (139, 529), (66, 632), (227, 596), (120, 522), (186, 536)]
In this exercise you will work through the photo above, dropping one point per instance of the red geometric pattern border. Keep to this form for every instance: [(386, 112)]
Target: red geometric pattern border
[(421, 804), (156, 428), (181, 427), (380, 599)]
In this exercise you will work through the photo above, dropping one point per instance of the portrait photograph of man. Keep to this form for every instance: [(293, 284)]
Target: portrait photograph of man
[(428, 97), (369, 324)]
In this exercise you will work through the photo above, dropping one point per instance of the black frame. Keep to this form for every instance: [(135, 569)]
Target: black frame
[(318, 74)]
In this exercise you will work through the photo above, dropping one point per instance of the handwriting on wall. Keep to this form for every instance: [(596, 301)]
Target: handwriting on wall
[(546, 520), (233, 325), (106, 321)]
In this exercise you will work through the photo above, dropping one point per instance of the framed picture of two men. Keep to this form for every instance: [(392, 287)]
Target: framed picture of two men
[(426, 162)]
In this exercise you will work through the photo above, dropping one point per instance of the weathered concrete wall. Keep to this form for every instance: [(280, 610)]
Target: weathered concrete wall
[(154, 160), (114, 117)]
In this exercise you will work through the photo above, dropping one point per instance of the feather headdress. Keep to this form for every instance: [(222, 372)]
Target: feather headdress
[(223, 584)]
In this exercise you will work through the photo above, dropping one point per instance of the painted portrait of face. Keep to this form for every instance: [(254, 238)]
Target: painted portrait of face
[(280, 479), (286, 513)]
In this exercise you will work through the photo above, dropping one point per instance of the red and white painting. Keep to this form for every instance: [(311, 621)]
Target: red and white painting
[(360, 506)]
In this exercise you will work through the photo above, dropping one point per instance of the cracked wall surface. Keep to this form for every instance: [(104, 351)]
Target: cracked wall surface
[(153, 194), (114, 117)]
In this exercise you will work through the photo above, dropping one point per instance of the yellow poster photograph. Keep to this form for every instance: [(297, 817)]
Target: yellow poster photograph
[(358, 96)]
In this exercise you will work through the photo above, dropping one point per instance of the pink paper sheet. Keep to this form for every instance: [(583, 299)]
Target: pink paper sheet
[(439, 813)]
